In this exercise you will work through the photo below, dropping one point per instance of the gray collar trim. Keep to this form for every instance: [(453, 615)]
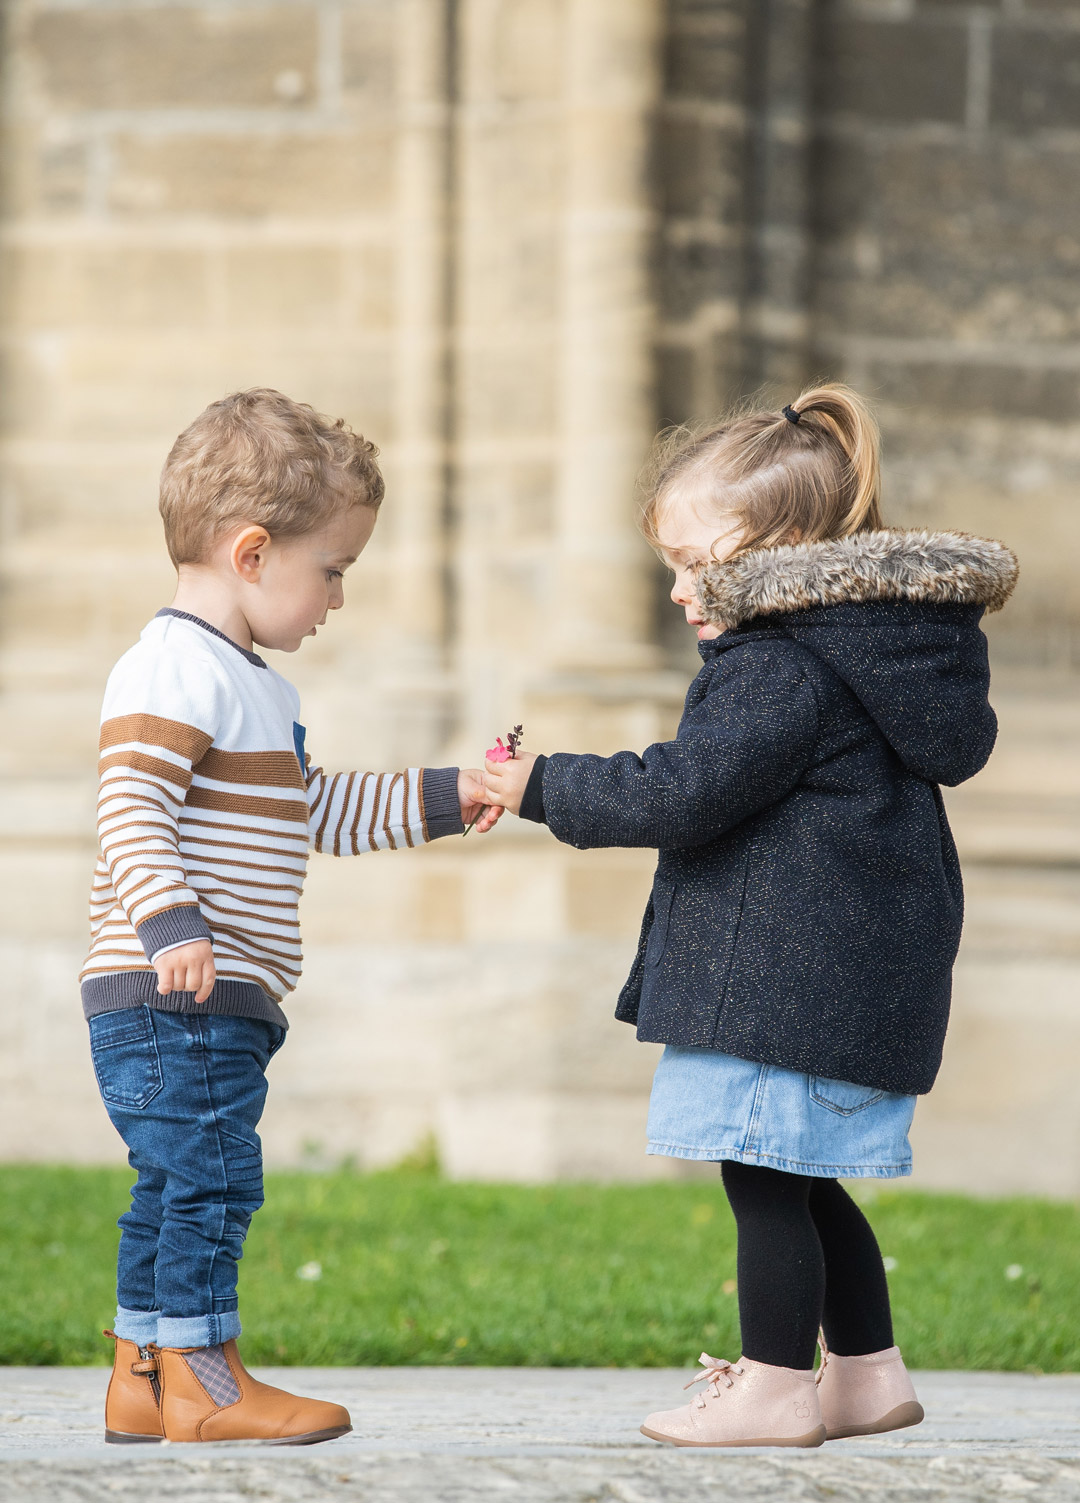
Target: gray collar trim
[(253, 657)]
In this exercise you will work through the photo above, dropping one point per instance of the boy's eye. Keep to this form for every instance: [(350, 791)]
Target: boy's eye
[(335, 574)]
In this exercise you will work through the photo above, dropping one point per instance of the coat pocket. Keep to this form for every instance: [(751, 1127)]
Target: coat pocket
[(662, 899), (841, 1096), (126, 1059)]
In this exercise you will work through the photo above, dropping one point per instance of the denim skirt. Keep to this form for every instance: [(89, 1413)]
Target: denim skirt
[(708, 1105)]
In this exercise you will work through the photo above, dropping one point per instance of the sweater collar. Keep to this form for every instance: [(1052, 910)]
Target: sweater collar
[(252, 657), (937, 568)]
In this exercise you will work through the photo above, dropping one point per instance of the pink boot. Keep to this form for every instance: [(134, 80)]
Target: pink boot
[(865, 1395), (744, 1404)]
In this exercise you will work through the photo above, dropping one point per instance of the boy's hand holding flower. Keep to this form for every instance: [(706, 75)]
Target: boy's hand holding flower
[(475, 807)]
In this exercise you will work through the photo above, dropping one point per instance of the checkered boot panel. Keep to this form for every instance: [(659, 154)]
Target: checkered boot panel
[(214, 1373)]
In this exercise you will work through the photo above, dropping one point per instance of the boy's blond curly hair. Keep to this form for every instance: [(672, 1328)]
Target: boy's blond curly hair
[(257, 456)]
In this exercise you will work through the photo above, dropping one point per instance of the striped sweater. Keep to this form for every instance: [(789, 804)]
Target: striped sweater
[(208, 807)]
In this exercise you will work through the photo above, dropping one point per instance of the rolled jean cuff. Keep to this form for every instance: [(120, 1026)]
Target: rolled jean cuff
[(198, 1330), (139, 1326)]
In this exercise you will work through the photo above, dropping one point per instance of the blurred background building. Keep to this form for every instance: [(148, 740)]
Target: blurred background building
[(507, 239)]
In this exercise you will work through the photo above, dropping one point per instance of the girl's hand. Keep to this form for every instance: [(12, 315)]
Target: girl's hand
[(504, 782), (474, 807), (188, 968)]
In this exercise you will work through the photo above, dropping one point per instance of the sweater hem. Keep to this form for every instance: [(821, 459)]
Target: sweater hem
[(232, 999)]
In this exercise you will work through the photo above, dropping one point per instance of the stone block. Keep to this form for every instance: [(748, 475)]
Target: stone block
[(26, 871), (527, 53), (968, 387), (45, 1041), (510, 167), (606, 894), (87, 493), (507, 392), (273, 287), (698, 171), (893, 70), (913, 240), (513, 277), (677, 386), (370, 291), (90, 284), (1036, 79), (697, 270), (707, 63), (369, 61), (46, 172), (175, 57), (511, 500), (126, 387), (323, 175)]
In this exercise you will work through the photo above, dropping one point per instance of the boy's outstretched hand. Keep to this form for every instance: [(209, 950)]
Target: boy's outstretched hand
[(475, 808), (505, 782)]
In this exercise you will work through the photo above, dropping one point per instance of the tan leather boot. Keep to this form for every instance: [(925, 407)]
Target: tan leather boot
[(207, 1394), (744, 1403), (133, 1402), (866, 1395)]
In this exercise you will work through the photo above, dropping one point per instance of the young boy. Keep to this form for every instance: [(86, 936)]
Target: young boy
[(207, 811)]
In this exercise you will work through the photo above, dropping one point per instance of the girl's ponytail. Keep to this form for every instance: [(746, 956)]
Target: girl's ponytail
[(844, 414), (807, 473)]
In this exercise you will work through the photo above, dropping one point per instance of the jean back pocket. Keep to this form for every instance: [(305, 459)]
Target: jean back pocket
[(842, 1096), (126, 1059)]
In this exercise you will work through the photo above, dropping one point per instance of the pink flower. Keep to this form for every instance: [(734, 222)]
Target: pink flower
[(499, 752)]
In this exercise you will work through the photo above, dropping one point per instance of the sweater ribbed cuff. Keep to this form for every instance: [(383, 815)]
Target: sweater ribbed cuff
[(532, 800), (176, 926), (442, 807)]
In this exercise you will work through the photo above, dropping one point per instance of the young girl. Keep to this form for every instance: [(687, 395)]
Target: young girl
[(797, 950)]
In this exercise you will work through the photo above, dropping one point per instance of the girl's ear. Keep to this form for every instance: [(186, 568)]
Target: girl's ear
[(247, 553)]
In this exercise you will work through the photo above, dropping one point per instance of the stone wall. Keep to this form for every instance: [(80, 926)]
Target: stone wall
[(505, 238)]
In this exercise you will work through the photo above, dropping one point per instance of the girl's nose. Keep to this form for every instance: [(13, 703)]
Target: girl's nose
[(681, 592)]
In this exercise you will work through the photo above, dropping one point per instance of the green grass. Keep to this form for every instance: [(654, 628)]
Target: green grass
[(419, 1270)]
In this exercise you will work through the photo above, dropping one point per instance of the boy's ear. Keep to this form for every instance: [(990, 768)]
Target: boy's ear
[(247, 552)]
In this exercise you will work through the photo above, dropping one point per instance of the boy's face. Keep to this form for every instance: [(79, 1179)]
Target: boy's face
[(301, 580)]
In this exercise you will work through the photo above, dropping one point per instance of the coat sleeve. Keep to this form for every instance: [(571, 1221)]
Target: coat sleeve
[(741, 748)]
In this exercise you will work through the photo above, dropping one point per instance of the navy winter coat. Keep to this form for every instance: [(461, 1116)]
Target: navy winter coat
[(807, 904)]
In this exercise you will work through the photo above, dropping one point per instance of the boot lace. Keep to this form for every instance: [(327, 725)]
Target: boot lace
[(717, 1371)]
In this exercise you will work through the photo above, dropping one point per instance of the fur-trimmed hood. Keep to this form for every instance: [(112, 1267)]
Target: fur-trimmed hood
[(895, 615), (940, 568)]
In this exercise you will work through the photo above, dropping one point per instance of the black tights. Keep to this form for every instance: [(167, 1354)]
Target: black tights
[(807, 1258)]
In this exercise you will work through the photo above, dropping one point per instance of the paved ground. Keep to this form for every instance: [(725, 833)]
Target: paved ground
[(538, 1434)]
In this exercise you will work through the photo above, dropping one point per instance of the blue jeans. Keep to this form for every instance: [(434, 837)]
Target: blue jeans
[(185, 1091)]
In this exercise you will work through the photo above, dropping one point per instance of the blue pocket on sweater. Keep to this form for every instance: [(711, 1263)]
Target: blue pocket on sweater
[(126, 1059)]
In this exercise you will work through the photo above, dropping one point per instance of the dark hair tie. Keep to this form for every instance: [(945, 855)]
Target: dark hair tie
[(791, 415)]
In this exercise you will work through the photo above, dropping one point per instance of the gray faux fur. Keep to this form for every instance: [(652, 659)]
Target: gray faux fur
[(941, 567)]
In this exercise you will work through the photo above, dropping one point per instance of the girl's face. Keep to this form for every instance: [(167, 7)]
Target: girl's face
[(688, 538)]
